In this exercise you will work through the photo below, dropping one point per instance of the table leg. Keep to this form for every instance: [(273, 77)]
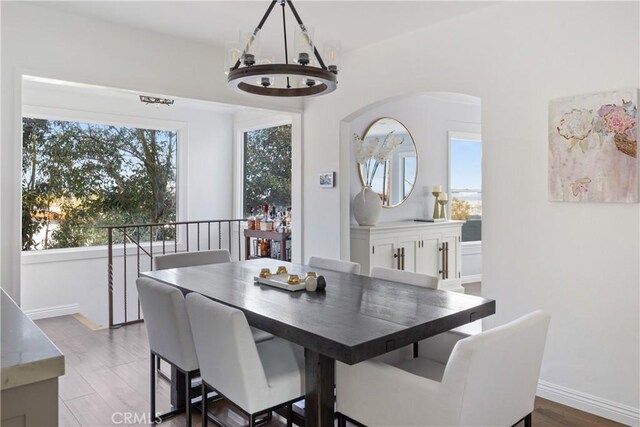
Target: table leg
[(178, 382), (320, 382)]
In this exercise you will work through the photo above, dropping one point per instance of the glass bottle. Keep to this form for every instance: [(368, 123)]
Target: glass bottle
[(251, 221)]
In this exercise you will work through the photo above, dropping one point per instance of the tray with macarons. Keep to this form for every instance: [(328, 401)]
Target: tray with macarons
[(291, 282)]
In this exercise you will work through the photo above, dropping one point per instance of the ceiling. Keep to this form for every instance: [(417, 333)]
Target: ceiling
[(354, 23)]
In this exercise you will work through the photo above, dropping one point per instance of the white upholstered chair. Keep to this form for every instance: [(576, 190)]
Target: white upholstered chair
[(190, 259), (409, 278), (255, 377), (489, 379), (169, 333), (334, 264)]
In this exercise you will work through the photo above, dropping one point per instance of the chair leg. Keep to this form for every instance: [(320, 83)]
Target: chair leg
[(527, 421), (187, 396), (205, 417), (153, 387)]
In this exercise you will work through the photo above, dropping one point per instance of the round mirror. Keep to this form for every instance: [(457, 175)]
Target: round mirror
[(393, 174)]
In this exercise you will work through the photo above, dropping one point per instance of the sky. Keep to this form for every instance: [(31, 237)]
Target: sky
[(466, 164)]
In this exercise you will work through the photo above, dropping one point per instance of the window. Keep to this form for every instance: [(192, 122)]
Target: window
[(465, 183), (267, 168), (77, 176)]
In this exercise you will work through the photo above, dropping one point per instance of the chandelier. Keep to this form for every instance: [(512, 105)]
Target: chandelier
[(308, 75)]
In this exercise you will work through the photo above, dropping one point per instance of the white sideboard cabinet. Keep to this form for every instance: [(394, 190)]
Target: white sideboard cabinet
[(432, 248)]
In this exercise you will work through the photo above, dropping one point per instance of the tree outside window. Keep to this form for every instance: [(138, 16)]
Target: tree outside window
[(77, 176), (267, 168)]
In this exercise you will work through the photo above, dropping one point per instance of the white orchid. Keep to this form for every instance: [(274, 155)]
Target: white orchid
[(366, 151)]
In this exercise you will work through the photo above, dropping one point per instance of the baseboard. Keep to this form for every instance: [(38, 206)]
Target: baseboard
[(44, 313), (589, 403), (472, 278)]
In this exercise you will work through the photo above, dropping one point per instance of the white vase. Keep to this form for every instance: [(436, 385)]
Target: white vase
[(367, 207)]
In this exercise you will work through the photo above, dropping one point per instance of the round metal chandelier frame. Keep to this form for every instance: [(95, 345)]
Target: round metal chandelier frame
[(243, 79)]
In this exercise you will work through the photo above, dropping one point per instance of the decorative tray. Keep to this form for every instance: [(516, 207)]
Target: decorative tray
[(279, 281)]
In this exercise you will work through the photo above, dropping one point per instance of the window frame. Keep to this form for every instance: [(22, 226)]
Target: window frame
[(62, 114), (464, 136)]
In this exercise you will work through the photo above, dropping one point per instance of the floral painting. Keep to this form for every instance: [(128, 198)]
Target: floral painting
[(593, 148)]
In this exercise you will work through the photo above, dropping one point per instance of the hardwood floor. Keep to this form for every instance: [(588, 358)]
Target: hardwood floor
[(107, 382)]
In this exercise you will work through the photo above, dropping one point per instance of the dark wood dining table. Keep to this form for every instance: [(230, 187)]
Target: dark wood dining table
[(354, 319)]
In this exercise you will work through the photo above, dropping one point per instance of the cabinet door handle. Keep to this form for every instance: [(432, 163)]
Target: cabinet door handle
[(446, 266), (402, 257), (443, 260), (397, 258)]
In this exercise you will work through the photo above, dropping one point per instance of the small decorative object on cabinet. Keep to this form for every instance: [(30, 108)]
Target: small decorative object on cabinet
[(268, 244), (443, 199), (437, 190), (367, 207), (431, 248)]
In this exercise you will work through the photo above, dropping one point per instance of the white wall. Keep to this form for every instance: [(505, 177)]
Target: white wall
[(429, 118), (47, 43), (577, 261), (204, 186)]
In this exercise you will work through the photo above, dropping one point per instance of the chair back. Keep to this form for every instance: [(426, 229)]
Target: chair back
[(408, 277), (167, 323), (334, 265), (496, 372), (190, 259), (229, 358)]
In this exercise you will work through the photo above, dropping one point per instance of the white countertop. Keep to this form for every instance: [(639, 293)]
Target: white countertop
[(405, 224), (28, 355)]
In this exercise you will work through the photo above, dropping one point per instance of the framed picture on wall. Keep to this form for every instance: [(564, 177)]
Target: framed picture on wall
[(326, 179), (593, 142)]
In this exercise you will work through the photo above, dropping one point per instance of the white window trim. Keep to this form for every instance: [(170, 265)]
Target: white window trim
[(92, 252), (464, 136)]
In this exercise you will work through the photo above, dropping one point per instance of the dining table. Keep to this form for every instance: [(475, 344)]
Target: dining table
[(355, 318)]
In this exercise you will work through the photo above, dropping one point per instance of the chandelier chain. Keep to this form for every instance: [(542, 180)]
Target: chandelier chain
[(286, 50)]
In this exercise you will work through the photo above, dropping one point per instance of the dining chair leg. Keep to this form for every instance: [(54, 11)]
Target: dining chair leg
[(153, 387), (205, 417), (527, 421), (187, 396)]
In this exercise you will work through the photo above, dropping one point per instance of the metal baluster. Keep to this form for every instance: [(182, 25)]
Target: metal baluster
[(187, 231), (198, 230), (229, 243), (175, 238), (219, 235), (209, 235), (110, 274), (138, 262), (124, 247)]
